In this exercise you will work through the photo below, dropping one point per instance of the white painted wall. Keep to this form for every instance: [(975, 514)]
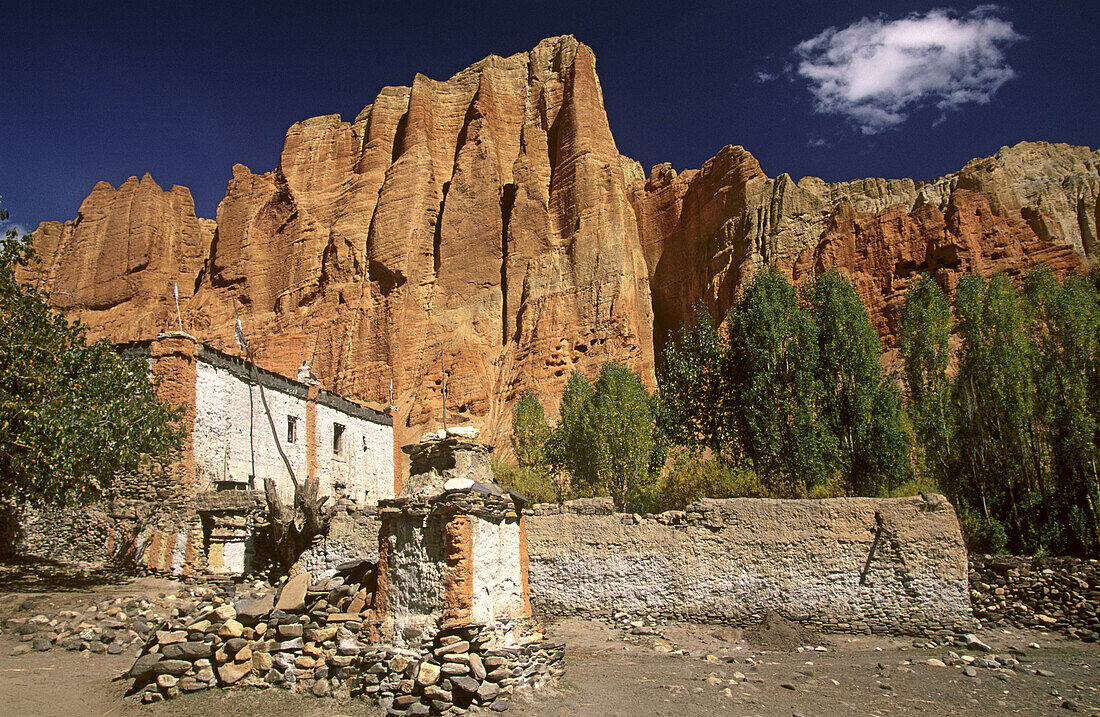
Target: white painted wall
[(498, 582), (364, 467), (232, 440)]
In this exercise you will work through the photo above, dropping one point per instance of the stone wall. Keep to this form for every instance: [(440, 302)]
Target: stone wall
[(352, 535), (72, 535), (1060, 594), (731, 561)]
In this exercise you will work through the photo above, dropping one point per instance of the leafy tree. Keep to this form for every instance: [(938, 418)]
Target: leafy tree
[(792, 390), (534, 482), (693, 477), (995, 453), (923, 337), (859, 405), (773, 352), (605, 439), (73, 415), (692, 407), (1067, 321), (625, 433), (572, 445), (530, 430), (924, 343)]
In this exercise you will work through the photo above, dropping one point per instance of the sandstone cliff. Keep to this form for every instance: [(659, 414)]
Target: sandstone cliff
[(486, 217), (114, 265), (490, 218), (703, 232)]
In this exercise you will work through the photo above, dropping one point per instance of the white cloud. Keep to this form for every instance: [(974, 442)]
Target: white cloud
[(876, 70)]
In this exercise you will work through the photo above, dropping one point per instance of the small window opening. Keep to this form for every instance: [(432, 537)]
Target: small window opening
[(291, 429), (337, 438)]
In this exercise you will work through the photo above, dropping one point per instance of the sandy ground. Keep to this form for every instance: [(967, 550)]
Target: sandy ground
[(610, 671)]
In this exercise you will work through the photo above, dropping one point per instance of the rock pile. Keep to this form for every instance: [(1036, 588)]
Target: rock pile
[(1061, 594), (306, 632), (109, 627), (315, 638), (458, 669)]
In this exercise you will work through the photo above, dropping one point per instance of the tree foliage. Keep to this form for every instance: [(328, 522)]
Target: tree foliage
[(529, 430), (1013, 438), (605, 439), (791, 390), (73, 415), (571, 448)]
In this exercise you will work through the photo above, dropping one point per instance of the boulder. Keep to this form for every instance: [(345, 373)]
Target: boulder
[(292, 598)]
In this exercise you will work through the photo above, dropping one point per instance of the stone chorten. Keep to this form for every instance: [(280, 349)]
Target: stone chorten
[(452, 547)]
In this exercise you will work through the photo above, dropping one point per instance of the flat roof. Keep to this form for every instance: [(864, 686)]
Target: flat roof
[(242, 369)]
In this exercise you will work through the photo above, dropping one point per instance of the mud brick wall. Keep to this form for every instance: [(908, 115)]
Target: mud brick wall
[(1060, 594), (731, 561)]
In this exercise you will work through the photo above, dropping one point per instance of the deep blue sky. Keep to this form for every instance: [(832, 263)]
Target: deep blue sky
[(183, 90)]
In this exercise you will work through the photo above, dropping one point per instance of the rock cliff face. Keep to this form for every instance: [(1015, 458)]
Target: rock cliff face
[(703, 232), (114, 265), (483, 221), (489, 221)]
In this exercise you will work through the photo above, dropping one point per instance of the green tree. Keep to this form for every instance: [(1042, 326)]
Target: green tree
[(572, 445), (694, 476), (860, 406), (533, 482), (792, 390), (625, 433), (692, 407), (605, 439), (924, 344), (1067, 320), (996, 455), (772, 378), (73, 415), (923, 338), (530, 430)]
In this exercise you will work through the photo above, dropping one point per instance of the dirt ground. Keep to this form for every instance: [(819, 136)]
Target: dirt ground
[(662, 669)]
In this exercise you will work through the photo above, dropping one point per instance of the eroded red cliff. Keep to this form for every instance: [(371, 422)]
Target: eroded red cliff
[(489, 221)]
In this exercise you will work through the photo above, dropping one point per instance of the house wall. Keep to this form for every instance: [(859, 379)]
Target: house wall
[(232, 438), (363, 470)]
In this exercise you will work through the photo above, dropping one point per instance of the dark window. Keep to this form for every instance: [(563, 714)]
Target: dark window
[(337, 438), (291, 429)]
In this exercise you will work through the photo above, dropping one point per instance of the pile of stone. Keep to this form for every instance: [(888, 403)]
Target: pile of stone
[(315, 638), (1059, 594), (455, 671), (107, 627), (305, 632)]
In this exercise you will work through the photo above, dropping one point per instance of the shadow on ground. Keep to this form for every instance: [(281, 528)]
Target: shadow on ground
[(34, 575)]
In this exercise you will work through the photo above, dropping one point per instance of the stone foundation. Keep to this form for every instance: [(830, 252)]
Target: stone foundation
[(1061, 594)]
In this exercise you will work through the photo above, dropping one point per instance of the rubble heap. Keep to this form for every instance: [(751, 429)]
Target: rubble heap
[(1061, 594)]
